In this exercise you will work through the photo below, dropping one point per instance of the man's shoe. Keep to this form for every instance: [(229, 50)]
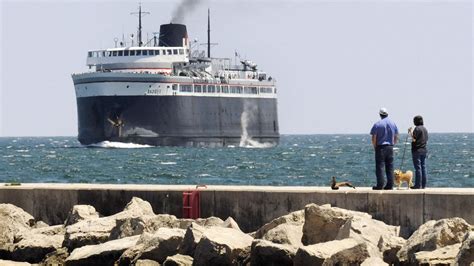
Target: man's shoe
[(387, 188), (413, 187), (376, 188)]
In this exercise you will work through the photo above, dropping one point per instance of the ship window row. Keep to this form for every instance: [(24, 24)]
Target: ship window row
[(266, 90), (136, 53), (223, 89)]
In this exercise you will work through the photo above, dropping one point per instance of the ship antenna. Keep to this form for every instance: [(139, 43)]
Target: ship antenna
[(208, 33), (208, 36), (140, 14), (155, 39), (123, 38)]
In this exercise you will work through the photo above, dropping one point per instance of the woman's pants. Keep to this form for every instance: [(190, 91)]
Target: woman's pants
[(420, 168)]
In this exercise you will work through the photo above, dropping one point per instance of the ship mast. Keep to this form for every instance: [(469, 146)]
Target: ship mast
[(140, 25), (140, 14), (208, 33)]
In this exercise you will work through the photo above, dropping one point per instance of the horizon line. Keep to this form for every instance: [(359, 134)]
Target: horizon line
[(282, 134)]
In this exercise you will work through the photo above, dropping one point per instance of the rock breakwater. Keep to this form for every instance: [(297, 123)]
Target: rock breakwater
[(316, 235)]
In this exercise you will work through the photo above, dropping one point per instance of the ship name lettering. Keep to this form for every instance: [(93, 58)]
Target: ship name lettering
[(152, 91)]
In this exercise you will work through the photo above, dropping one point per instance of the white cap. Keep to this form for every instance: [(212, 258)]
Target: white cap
[(383, 111)]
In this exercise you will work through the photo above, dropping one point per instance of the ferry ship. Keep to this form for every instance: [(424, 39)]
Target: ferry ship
[(160, 92)]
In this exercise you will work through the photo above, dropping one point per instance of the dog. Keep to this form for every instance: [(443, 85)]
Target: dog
[(336, 185), (401, 177)]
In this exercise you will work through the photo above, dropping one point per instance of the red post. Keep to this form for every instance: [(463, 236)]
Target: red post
[(192, 203)]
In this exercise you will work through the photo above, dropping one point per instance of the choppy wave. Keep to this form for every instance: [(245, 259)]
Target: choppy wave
[(117, 145), (311, 162)]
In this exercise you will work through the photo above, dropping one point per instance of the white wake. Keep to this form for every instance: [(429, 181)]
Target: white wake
[(118, 145), (250, 143)]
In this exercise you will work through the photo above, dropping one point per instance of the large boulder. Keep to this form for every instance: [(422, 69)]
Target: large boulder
[(382, 239), (80, 213), (47, 231), (337, 252), (433, 235), (163, 220), (146, 263), (96, 231), (88, 232), (178, 260), (57, 257), (207, 222), (34, 247), (137, 207), (325, 223), (361, 225), (222, 246), (12, 221), (130, 255), (101, 254), (163, 243), (466, 252), (191, 239), (13, 263), (231, 223), (33, 244), (40, 224), (129, 226), (157, 246), (210, 221), (195, 230), (295, 218), (287, 233), (389, 247), (444, 256), (153, 223), (265, 252), (322, 223), (375, 261)]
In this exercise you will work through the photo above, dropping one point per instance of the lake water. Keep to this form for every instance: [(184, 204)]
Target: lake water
[(299, 160)]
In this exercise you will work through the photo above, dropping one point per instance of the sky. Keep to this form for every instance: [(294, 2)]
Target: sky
[(336, 62)]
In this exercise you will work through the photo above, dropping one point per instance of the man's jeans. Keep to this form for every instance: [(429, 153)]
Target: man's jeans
[(420, 168), (384, 159)]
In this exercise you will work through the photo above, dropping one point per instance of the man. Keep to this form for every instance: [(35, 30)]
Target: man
[(419, 136), (384, 136)]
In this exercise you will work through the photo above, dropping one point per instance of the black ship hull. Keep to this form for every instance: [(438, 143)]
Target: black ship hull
[(177, 120)]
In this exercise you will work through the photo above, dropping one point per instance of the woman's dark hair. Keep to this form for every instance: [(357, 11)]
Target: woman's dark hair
[(418, 120)]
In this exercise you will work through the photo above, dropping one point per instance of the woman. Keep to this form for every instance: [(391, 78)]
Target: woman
[(419, 150)]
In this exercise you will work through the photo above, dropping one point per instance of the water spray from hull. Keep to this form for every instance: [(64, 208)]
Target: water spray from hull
[(246, 118)]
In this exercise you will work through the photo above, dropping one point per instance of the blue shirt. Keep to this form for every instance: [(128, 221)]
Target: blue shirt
[(385, 131)]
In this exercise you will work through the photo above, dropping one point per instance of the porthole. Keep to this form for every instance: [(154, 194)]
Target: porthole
[(128, 86)]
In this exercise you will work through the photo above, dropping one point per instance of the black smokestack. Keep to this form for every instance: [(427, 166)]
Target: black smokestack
[(172, 35), (184, 7)]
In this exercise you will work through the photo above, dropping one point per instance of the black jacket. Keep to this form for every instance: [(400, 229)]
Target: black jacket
[(420, 137)]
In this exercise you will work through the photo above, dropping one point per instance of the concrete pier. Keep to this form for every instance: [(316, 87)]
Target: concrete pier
[(250, 206)]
